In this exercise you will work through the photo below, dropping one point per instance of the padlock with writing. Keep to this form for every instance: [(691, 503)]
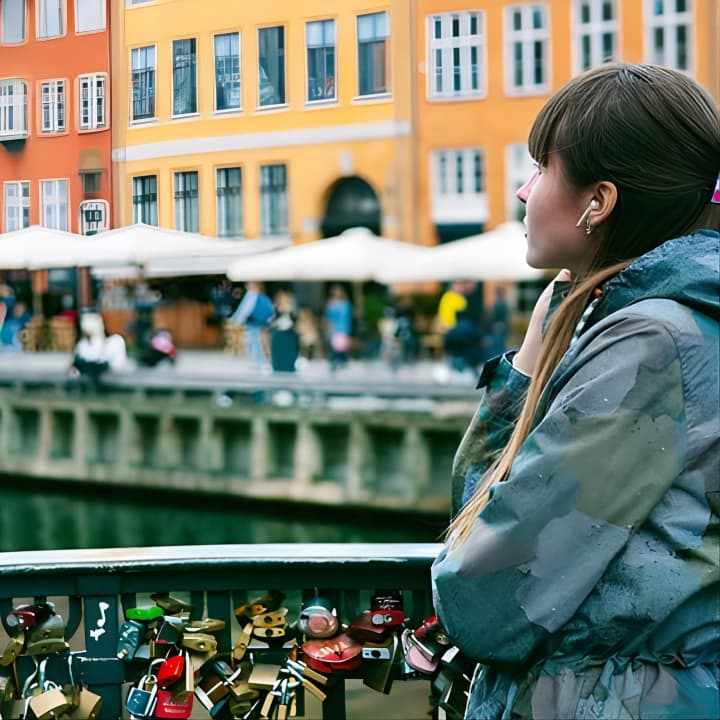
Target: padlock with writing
[(142, 697), (132, 634)]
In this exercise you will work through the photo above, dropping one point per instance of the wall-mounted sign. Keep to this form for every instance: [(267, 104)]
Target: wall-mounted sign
[(93, 216)]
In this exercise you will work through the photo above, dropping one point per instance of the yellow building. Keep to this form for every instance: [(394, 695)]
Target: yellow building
[(486, 67), (275, 118)]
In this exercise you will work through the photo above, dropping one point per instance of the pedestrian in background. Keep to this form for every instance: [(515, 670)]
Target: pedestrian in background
[(284, 344), (254, 313), (581, 569), (338, 318)]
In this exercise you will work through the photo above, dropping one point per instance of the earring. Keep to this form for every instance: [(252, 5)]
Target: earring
[(585, 217)]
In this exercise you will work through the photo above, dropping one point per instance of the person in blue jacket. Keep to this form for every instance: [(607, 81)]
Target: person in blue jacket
[(581, 569)]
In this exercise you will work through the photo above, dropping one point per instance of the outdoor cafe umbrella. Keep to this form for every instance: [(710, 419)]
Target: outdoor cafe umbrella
[(40, 248), (356, 254), (495, 255)]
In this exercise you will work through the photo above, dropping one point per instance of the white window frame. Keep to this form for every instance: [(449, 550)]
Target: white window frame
[(13, 109), (239, 74), (16, 205), (3, 11), (386, 92), (146, 70), (92, 101), (220, 209), (455, 196), (41, 13), (330, 98), (56, 196), (100, 4), (668, 23), (456, 52), (594, 30), (53, 95), (526, 37), (519, 166)]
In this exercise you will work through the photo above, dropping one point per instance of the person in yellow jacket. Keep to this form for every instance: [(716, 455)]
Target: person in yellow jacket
[(452, 301)]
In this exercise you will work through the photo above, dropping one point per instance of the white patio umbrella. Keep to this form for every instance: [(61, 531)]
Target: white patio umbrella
[(38, 248), (356, 254), (495, 255)]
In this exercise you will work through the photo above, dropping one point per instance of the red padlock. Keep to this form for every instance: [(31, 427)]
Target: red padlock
[(173, 705), (172, 670), (337, 653)]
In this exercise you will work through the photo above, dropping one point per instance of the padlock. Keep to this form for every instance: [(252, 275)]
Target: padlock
[(386, 608), (170, 671), (171, 605), (170, 631), (14, 647), (132, 633), (378, 674), (205, 625), (50, 703), (173, 704), (144, 614), (46, 647), (318, 618), (275, 618), (241, 644), (51, 627), (200, 642), (88, 707), (269, 632), (28, 616), (142, 697)]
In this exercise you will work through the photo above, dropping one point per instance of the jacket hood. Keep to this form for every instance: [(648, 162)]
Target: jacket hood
[(685, 269)]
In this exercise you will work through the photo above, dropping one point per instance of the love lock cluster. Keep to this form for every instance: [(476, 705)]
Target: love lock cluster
[(40, 677)]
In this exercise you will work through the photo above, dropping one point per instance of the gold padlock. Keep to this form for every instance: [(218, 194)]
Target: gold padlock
[(89, 705), (49, 704), (13, 649)]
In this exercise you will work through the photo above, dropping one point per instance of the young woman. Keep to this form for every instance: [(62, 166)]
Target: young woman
[(581, 568)]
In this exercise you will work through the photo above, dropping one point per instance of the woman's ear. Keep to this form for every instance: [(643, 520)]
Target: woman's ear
[(605, 198)]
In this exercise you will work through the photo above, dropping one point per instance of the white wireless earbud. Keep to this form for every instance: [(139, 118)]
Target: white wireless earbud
[(594, 205)]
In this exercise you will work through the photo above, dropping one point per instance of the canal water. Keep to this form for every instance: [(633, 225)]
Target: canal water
[(38, 515)]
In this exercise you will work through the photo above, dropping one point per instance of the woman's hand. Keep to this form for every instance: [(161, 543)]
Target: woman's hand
[(526, 358)]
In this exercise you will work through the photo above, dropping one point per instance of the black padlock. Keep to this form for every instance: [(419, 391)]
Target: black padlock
[(28, 616)]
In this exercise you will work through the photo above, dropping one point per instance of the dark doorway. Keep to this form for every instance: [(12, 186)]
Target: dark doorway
[(351, 203)]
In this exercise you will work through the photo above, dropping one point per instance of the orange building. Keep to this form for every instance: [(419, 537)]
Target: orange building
[(486, 67), (54, 114)]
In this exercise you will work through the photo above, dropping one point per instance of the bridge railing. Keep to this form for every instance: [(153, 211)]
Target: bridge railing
[(92, 589)]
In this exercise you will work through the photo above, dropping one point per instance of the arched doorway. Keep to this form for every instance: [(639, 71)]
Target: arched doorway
[(351, 203)]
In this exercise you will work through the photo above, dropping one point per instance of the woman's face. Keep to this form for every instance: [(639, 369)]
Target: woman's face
[(552, 210)]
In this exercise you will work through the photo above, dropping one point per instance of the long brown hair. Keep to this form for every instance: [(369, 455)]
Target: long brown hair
[(655, 134)]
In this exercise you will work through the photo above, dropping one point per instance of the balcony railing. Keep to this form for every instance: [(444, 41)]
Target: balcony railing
[(93, 588)]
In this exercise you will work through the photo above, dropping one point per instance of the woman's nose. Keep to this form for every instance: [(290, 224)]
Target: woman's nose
[(524, 191)]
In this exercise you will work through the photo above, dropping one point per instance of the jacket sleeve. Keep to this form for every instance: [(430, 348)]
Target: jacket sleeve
[(609, 445), (245, 308), (504, 390)]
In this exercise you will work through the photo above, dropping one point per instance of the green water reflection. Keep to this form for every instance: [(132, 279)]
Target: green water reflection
[(47, 516)]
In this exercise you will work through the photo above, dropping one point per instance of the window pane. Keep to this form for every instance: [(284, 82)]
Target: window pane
[(184, 77), (143, 79), (186, 202), (321, 59), (13, 20), (51, 21), (585, 13), (438, 28), (372, 72), (273, 199), (89, 15), (456, 27), (229, 202), (227, 71), (473, 24), (145, 200), (271, 43), (608, 43), (682, 55), (608, 10)]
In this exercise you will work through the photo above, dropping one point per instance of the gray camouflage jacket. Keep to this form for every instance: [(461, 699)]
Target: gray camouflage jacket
[(589, 587)]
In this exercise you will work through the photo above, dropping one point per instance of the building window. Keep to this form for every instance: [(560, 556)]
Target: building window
[(145, 208), (519, 167), (187, 211), (184, 77), (92, 102), (320, 41), (52, 106), (526, 48), (229, 202), (457, 53), (458, 186), (13, 109), (143, 83), (273, 200), (17, 205), (596, 32), (669, 32), (90, 182), (54, 204), (12, 20), (227, 71), (89, 15), (50, 18), (372, 33), (271, 66)]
